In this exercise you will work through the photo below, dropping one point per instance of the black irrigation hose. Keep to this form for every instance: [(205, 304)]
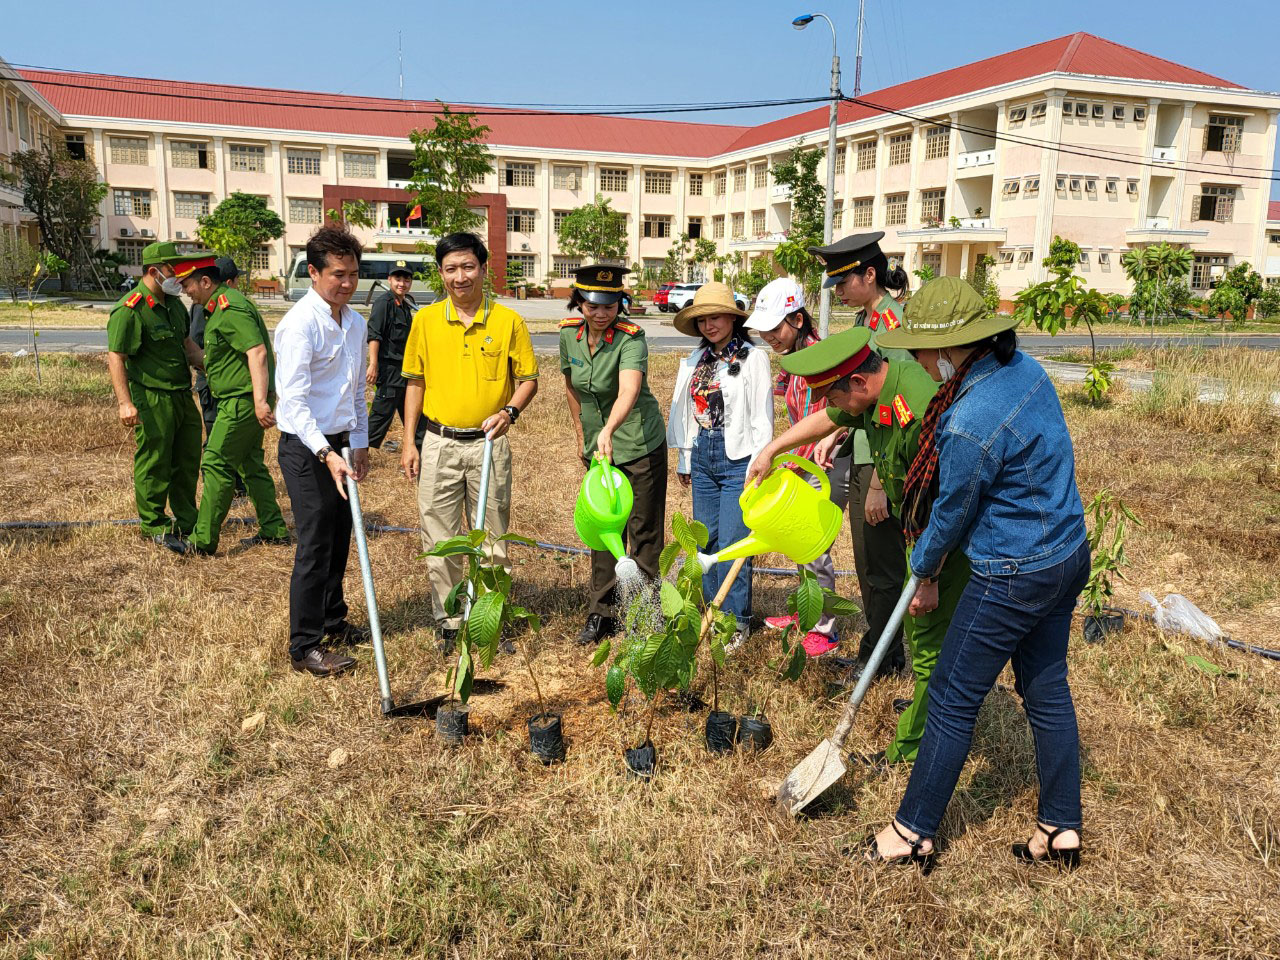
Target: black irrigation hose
[(371, 527), (1225, 639)]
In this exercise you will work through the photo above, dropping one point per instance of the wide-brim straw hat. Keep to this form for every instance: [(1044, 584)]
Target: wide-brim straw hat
[(713, 297), (946, 312)]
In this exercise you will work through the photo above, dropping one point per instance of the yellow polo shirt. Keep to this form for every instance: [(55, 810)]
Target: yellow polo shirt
[(469, 372)]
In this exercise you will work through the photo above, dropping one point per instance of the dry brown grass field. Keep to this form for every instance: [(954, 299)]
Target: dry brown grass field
[(168, 788)]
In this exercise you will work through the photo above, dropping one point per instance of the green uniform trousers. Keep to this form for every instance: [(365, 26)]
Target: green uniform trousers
[(167, 460), (925, 634), (235, 447)]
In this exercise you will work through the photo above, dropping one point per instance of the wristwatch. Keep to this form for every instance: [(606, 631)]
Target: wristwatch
[(512, 412), (323, 453)]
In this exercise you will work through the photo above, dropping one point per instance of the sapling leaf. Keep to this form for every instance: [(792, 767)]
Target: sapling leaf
[(796, 666), (809, 602), (701, 535), (837, 606), (717, 649), (667, 558), (485, 620), (602, 652), (465, 674), (683, 535), (476, 537), (453, 602), (1212, 669), (516, 538), (615, 685), (452, 547), (672, 601), (668, 662)]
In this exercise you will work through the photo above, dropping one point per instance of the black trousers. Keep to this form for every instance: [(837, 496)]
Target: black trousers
[(387, 402), (322, 522), (643, 536)]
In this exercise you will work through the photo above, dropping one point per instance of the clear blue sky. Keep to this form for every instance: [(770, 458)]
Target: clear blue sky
[(555, 51)]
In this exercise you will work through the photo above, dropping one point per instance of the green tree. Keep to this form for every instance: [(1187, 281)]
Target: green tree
[(594, 231), (752, 280), (63, 192), (808, 198), (1151, 270), (983, 280), (449, 162), (354, 213), (237, 227), (1268, 303), (18, 261)]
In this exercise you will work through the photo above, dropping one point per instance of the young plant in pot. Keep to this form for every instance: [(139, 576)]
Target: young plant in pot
[(483, 597), (1109, 513)]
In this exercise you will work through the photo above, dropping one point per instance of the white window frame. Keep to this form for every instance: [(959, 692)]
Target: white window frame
[(658, 182), (864, 209), (866, 152), (937, 143), (563, 267), (246, 158), (128, 151), (614, 179), (895, 209), (695, 185), (1017, 114), (313, 207), (656, 226), (199, 202), (131, 202), (519, 173), (1039, 109), (899, 147), (182, 150), (302, 162), (566, 177), (522, 220), (1010, 188), (362, 162)]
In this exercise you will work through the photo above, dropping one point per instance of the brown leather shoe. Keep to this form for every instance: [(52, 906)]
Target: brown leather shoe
[(323, 662)]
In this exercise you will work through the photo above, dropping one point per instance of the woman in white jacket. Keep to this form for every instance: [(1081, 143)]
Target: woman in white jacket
[(721, 417)]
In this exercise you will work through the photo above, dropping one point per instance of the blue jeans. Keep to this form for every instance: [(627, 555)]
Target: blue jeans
[(1024, 618), (717, 484)]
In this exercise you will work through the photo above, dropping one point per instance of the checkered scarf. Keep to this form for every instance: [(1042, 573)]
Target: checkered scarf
[(921, 488)]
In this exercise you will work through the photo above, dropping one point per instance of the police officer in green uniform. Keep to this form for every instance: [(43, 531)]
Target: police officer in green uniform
[(208, 406), (605, 362), (885, 398), (859, 274), (149, 356), (240, 368), (389, 324)]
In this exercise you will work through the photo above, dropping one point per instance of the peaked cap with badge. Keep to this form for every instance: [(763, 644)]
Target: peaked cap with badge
[(400, 266), (826, 361), (189, 263), (845, 254), (945, 312), (600, 283)]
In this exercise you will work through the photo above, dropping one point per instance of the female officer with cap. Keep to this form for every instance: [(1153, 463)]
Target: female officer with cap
[(605, 361), (994, 477)]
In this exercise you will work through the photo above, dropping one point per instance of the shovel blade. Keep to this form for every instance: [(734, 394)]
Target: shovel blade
[(423, 708), (811, 777)]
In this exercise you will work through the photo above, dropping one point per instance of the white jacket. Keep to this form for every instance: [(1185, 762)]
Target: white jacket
[(748, 408)]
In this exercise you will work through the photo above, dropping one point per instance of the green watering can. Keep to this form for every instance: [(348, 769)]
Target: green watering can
[(600, 516), (786, 515)]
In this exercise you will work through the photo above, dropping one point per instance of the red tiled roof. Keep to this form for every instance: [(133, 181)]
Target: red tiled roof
[(1273, 210), (1081, 53), (97, 95)]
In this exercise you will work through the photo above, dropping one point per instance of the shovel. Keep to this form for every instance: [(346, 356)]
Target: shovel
[(389, 709), (825, 765)]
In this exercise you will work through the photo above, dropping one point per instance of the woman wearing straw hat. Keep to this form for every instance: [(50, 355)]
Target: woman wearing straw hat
[(994, 477), (605, 362), (721, 417)]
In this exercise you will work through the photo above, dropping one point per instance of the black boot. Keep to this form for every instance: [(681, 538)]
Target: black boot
[(597, 629)]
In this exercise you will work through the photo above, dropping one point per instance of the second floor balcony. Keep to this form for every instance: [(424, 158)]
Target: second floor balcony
[(976, 158), (1165, 154), (759, 243), (394, 234)]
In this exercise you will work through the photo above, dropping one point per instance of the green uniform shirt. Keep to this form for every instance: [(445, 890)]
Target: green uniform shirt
[(149, 331), (886, 315), (892, 425), (233, 329), (594, 379)]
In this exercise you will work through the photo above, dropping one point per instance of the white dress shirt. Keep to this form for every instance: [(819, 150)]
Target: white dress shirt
[(320, 374), (748, 408)]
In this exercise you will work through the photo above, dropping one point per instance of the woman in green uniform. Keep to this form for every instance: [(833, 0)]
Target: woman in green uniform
[(605, 361)]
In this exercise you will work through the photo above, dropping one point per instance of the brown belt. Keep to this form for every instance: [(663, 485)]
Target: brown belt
[(452, 433)]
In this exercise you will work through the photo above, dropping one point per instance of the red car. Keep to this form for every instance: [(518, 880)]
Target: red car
[(660, 296)]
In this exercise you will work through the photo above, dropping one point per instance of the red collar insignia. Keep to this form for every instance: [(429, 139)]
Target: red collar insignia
[(208, 307), (151, 301), (581, 330), (885, 415), (608, 335)]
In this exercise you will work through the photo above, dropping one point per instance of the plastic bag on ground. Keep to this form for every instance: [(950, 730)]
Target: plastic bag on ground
[(1176, 614)]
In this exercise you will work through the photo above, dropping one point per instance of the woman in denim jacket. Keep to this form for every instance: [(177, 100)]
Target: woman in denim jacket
[(995, 477)]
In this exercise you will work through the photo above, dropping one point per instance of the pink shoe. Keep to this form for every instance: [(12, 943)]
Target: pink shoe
[(816, 644), (782, 622)]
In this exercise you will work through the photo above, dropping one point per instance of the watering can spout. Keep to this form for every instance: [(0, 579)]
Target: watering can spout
[(613, 543)]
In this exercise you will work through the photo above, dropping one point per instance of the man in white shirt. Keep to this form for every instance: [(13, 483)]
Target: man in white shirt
[(320, 361)]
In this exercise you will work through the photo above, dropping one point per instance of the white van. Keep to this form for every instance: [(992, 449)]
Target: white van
[(374, 270)]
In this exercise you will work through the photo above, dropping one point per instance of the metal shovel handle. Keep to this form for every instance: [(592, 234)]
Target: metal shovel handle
[(366, 574), (482, 498)]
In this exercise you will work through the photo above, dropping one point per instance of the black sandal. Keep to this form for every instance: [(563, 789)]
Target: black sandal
[(925, 861), (1068, 858)]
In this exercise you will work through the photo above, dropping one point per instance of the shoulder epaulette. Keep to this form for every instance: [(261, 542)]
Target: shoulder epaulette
[(902, 411), (133, 299), (223, 302), (891, 322), (570, 322), (627, 327)]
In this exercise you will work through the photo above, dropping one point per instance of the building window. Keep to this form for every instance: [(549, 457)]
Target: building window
[(1104, 258), (937, 143), (657, 181), (717, 228), (932, 205), (564, 266), (841, 152), (557, 219), (191, 205), (305, 162), (895, 209), (1113, 187), (1006, 256), (1082, 109), (760, 175), (739, 179), (128, 150), (1099, 111), (261, 258), (862, 211), (1017, 114), (190, 155), (655, 227), (695, 228), (131, 251), (1207, 270), (695, 184), (1024, 256), (866, 155), (303, 210), (735, 226), (248, 158), (1215, 203), (8, 114), (1139, 114), (359, 166), (1032, 189), (757, 222), (566, 178), (837, 215), (1117, 113), (75, 146), (899, 149), (1038, 109), (1091, 185), (518, 174), (613, 179), (719, 184), (933, 261), (1010, 188), (521, 221), (1223, 134), (1068, 108), (1132, 188), (132, 203), (522, 264)]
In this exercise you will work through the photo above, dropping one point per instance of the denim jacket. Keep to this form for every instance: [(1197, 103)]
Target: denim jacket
[(1007, 490)]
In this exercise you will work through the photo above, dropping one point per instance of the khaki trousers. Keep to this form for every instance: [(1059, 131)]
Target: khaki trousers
[(448, 491)]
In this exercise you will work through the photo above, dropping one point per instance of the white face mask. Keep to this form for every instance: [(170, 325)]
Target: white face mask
[(945, 368), (171, 286)]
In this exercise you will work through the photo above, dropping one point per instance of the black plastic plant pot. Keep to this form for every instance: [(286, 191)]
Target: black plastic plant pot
[(451, 724), (1097, 627), (546, 737), (642, 762), (722, 731), (754, 733)]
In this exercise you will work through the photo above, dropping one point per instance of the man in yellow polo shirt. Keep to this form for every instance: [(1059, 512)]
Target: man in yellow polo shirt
[(469, 370)]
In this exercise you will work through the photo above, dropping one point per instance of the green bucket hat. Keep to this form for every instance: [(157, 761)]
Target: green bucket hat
[(945, 312)]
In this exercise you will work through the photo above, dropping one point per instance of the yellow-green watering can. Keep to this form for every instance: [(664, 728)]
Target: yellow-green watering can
[(785, 515), (604, 506)]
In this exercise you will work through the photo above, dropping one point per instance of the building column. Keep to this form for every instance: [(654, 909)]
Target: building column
[(637, 184), (104, 207), (877, 204), (1148, 151), (914, 219), (548, 222), (1180, 179), (282, 206), (965, 266), (1048, 185), (997, 169), (678, 185), (1264, 195), (164, 230), (953, 154), (220, 162)]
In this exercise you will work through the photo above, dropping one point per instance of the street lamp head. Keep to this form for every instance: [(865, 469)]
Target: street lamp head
[(802, 21)]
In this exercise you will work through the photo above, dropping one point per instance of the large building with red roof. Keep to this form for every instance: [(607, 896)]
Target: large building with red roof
[(1078, 136)]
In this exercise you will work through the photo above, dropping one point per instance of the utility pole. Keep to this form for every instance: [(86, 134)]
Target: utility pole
[(857, 69), (400, 57)]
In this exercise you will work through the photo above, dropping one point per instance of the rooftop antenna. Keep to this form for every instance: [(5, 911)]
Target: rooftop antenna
[(400, 57), (857, 69)]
